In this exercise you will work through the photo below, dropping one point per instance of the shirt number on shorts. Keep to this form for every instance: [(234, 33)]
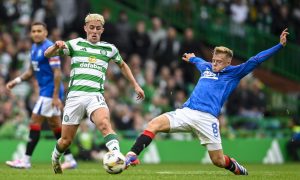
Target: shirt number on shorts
[(215, 129)]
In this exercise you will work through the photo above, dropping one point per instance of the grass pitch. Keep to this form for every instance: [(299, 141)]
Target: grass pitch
[(93, 170)]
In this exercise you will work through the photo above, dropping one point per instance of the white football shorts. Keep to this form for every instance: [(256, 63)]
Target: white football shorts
[(204, 125), (77, 107), (44, 107)]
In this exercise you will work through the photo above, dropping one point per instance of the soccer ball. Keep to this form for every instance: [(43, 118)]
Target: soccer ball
[(114, 162)]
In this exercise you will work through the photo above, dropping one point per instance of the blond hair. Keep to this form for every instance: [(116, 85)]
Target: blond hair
[(94, 17), (222, 49)]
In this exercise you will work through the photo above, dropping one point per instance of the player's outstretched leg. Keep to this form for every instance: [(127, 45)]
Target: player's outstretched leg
[(140, 144), (34, 136), (233, 166), (131, 159)]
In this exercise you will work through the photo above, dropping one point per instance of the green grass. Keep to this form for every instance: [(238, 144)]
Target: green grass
[(93, 170)]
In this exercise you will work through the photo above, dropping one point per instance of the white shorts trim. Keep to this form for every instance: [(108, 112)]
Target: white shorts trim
[(77, 107), (213, 146), (44, 107), (204, 125)]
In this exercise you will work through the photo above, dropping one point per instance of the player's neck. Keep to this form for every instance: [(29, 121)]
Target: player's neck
[(41, 42), (92, 42)]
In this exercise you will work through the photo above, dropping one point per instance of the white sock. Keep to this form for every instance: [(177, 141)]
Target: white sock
[(56, 154), (69, 157), (113, 145)]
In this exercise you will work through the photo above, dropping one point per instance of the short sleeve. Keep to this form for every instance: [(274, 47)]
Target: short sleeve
[(117, 58), (68, 51), (54, 62)]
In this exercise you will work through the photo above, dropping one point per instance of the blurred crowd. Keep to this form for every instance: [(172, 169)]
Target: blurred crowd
[(269, 16), (153, 54)]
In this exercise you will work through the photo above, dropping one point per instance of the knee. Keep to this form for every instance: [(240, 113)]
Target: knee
[(153, 126), (104, 126), (218, 161), (159, 124), (54, 125)]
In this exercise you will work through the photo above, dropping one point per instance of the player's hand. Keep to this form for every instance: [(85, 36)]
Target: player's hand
[(186, 56), (56, 102), (283, 37), (140, 93), (60, 44), (11, 84)]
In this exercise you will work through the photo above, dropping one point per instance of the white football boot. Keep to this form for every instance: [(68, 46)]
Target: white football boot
[(19, 163)]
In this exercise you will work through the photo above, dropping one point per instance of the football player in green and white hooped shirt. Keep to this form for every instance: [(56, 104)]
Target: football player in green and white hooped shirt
[(90, 58)]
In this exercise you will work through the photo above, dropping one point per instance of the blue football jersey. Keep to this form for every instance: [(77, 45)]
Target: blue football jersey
[(213, 88), (42, 67)]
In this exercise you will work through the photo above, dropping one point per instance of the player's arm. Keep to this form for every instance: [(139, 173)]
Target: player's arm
[(254, 61), (54, 62), (266, 54), (56, 49), (128, 74), (23, 77), (57, 80), (190, 57)]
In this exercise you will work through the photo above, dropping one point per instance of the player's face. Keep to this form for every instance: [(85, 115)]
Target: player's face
[(93, 31), (220, 61), (38, 33)]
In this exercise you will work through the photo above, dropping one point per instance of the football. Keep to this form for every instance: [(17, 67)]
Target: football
[(114, 162)]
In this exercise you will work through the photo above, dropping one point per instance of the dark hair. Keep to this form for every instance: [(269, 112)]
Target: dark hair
[(39, 23)]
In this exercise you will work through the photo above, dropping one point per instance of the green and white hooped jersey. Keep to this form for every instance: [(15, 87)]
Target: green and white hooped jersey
[(89, 65)]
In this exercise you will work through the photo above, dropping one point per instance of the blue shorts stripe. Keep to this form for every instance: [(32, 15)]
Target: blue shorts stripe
[(40, 109)]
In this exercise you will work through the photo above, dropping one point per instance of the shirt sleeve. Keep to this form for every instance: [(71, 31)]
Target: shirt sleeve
[(197, 61), (68, 51), (245, 68), (54, 62), (117, 58)]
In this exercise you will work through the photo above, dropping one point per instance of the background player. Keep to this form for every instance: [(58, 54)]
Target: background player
[(48, 74), (90, 58), (199, 113)]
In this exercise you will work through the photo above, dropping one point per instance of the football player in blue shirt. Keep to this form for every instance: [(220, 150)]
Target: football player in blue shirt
[(48, 107), (199, 113)]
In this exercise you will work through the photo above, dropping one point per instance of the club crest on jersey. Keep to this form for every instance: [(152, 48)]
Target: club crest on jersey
[(92, 59), (66, 118), (209, 75), (103, 52)]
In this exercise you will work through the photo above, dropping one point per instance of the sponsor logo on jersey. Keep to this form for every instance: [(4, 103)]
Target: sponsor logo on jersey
[(209, 75), (92, 59), (91, 65)]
